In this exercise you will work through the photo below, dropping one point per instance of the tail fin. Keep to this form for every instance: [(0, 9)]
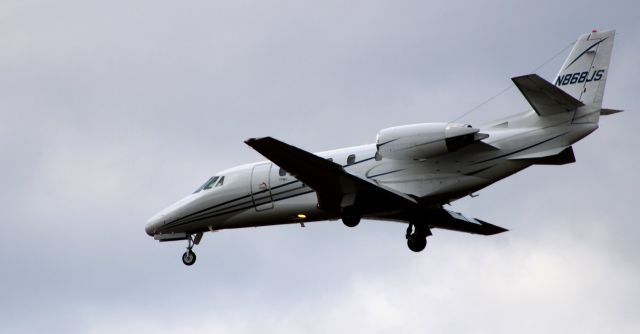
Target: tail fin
[(584, 73)]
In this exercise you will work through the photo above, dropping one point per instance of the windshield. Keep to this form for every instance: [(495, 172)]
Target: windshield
[(207, 185)]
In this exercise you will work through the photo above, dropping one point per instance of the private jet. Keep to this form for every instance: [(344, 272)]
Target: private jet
[(410, 173)]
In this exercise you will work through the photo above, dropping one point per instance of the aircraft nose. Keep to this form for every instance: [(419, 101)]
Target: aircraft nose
[(153, 224)]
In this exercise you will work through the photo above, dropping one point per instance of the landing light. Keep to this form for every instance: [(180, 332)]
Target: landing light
[(302, 216)]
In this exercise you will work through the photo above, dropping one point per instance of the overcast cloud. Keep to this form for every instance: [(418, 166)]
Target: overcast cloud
[(111, 110)]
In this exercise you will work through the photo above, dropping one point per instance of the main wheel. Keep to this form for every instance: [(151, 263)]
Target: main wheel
[(189, 258), (350, 216), (351, 220), (417, 242)]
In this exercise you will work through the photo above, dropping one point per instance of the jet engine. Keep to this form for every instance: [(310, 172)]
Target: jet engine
[(424, 140)]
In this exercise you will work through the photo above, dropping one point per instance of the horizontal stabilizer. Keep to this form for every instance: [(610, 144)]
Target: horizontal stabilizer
[(456, 221), (545, 98), (554, 156), (539, 154)]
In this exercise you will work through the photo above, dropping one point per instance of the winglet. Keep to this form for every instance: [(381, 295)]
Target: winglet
[(455, 221), (490, 229), (251, 141), (607, 112)]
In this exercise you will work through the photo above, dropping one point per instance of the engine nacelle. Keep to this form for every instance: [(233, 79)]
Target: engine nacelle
[(424, 140)]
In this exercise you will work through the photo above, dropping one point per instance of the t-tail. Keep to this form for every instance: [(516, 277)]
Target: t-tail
[(579, 86), (584, 73)]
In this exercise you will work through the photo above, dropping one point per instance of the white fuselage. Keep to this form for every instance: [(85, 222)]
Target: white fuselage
[(261, 194)]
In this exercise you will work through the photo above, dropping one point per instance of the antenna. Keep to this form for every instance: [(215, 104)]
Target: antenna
[(504, 90)]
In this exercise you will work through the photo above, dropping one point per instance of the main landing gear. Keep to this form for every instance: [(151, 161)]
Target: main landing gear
[(189, 257), (350, 217), (417, 236), (417, 231)]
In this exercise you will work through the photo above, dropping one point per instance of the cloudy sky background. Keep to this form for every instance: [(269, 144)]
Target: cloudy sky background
[(110, 111)]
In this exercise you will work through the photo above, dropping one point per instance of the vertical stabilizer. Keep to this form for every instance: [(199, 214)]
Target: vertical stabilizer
[(584, 73)]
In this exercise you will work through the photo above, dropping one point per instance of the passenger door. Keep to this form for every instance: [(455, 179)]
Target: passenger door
[(261, 187)]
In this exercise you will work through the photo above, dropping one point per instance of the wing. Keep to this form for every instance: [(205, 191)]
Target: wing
[(336, 188), (545, 98)]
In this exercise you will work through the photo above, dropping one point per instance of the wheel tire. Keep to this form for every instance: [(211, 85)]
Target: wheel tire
[(351, 220), (417, 243), (189, 258)]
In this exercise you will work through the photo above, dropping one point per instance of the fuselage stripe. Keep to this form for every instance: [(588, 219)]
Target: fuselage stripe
[(218, 213), (204, 211)]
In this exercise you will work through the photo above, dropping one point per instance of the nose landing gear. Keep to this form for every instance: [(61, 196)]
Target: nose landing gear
[(189, 257)]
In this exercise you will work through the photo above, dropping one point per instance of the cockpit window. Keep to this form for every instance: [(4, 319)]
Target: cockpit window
[(214, 181), (211, 182), (207, 185), (220, 182)]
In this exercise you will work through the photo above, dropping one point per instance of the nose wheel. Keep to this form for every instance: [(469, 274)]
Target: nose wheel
[(189, 257)]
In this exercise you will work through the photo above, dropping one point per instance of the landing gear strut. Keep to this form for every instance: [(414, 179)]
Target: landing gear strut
[(189, 257), (417, 236)]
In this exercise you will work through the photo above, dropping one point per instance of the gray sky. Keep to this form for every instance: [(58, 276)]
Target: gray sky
[(110, 111)]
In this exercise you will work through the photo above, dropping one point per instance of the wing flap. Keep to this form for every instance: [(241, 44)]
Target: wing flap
[(545, 98)]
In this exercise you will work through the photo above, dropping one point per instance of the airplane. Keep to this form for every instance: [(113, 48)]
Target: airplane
[(409, 173)]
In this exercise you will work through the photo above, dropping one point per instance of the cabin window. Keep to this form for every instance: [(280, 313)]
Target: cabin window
[(282, 172), (351, 159)]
